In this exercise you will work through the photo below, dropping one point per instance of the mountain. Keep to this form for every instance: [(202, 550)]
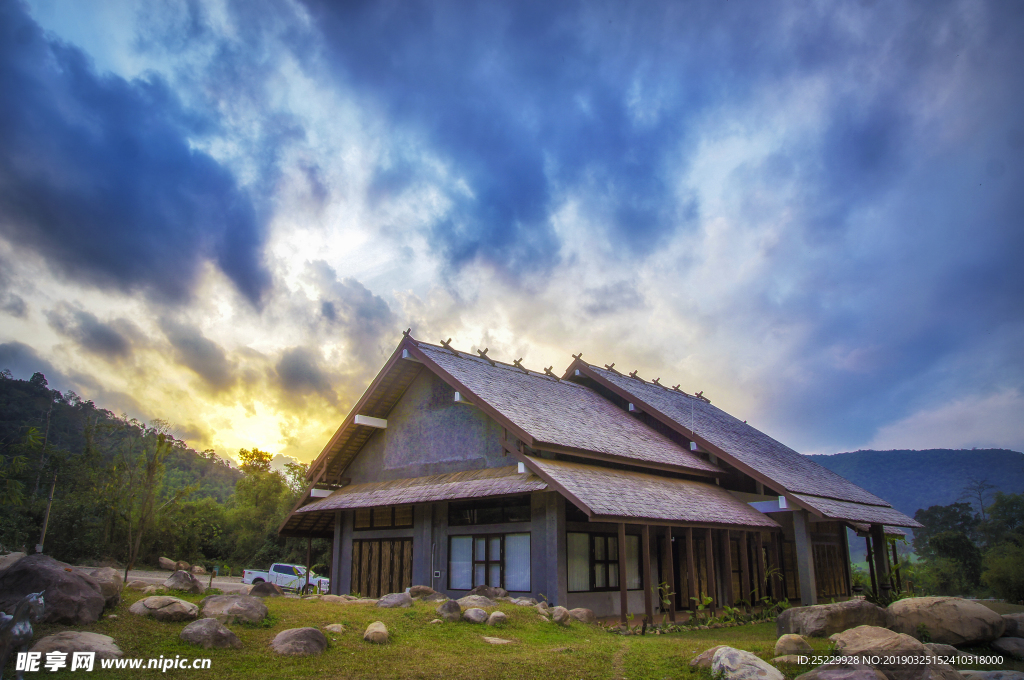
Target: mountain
[(910, 480)]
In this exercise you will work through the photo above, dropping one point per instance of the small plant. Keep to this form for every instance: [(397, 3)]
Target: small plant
[(923, 634), (665, 595)]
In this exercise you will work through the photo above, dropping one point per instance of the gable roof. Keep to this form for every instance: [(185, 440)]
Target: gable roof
[(746, 448)]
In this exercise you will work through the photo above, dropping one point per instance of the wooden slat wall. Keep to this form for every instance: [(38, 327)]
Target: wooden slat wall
[(380, 567)]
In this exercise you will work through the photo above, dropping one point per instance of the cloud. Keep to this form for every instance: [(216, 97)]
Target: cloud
[(199, 353), (23, 361), (300, 372), (100, 175), (110, 340)]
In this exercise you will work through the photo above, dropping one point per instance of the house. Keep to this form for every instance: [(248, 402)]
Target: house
[(590, 488)]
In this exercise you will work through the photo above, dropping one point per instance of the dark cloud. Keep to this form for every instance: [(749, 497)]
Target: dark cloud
[(614, 297), (100, 176), (23, 361), (364, 319), (110, 340), (300, 371), (199, 353)]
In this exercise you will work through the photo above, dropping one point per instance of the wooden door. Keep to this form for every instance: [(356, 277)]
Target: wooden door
[(380, 567)]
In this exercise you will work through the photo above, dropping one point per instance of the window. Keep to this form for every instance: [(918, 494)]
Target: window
[(384, 517), (501, 560), (516, 509), (593, 562), (284, 569)]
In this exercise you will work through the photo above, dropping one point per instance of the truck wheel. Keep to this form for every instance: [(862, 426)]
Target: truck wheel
[(257, 580), (309, 590)]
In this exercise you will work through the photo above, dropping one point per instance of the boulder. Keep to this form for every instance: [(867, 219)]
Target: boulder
[(1013, 625), (704, 659), (791, 643), (342, 599), (497, 641), (71, 597), (168, 564), (490, 592), (561, 616), (542, 609), (182, 565), (1011, 646), (992, 675), (949, 620), (395, 600), (153, 590), (70, 641), (736, 664), (475, 615), (363, 600), (266, 589), (299, 642), (583, 615), (831, 672), (939, 649), (497, 619), (420, 591), (822, 620), (450, 611), (433, 621), (377, 633), (434, 597), (335, 628), (111, 584), (137, 585), (9, 559), (229, 609), (543, 605), (163, 608), (182, 580), (875, 641), (792, 659), (209, 634), (524, 601), (197, 569), (477, 601)]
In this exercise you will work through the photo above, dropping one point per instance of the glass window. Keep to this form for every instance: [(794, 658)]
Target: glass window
[(495, 560), (383, 517), (593, 562), (517, 563), (578, 554), (460, 572), (466, 513)]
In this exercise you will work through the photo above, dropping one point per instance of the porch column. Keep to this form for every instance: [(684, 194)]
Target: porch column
[(623, 596), (645, 549), (776, 563), (759, 565), (709, 551), (847, 571), (670, 565), (730, 598), (336, 555), (805, 558), (691, 572), (871, 565), (896, 564), (309, 559), (745, 568), (881, 559), (557, 587)]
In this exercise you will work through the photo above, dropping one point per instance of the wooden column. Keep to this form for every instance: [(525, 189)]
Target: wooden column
[(881, 558), (805, 557), (709, 552), (871, 566), (645, 549), (309, 558), (691, 572), (896, 564), (623, 596), (726, 547), (670, 565), (759, 565), (776, 563), (336, 555), (745, 568)]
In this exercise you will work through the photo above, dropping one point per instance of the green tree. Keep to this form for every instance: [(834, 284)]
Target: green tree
[(957, 517), (254, 460), (1005, 520), (958, 547), (1004, 571)]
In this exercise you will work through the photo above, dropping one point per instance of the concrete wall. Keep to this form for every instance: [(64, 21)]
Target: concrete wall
[(429, 434)]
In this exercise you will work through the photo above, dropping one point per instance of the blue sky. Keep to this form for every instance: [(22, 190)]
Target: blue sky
[(224, 214)]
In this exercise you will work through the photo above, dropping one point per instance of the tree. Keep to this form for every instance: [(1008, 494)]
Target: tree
[(254, 460), (978, 491), (1005, 520), (958, 547), (956, 517), (295, 473), (1004, 571)]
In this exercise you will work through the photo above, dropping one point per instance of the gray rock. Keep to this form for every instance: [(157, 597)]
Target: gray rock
[(266, 589), (524, 601), (736, 664), (992, 675), (197, 570), (1012, 646), (823, 620), (9, 559), (450, 611), (561, 616), (477, 601), (376, 633), (704, 659), (182, 565), (137, 585), (949, 620), (167, 563), (70, 641), (831, 672), (163, 608), (335, 628), (433, 621), (490, 592), (497, 641), (209, 634), (420, 591), (875, 641), (475, 615), (299, 642), (340, 599), (583, 615), (497, 619), (395, 600), (71, 597), (791, 643), (111, 584), (229, 609), (182, 580), (153, 590), (434, 597), (1013, 625)]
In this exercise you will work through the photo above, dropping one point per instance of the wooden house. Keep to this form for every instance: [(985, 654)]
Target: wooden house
[(590, 488)]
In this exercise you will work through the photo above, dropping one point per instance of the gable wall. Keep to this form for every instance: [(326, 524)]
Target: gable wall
[(428, 434)]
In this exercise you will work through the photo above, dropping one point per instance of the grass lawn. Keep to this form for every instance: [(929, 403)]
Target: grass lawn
[(419, 650)]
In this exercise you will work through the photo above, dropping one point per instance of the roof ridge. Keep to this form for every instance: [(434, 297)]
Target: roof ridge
[(656, 382), (496, 363)]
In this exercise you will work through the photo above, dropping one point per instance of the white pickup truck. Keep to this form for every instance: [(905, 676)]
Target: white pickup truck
[(288, 577)]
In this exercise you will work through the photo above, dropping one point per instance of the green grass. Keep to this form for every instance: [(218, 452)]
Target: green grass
[(420, 650)]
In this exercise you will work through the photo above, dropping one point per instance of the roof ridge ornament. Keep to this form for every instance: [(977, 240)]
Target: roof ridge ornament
[(548, 372), (676, 388), (447, 344), (655, 381), (634, 375), (578, 357), (700, 395), (406, 332), (518, 363), (611, 367), (483, 355)]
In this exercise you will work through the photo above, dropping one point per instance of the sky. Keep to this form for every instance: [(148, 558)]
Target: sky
[(223, 214)]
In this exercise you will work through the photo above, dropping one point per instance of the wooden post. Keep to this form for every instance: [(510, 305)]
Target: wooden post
[(805, 558), (759, 564), (645, 548), (896, 564), (776, 561), (309, 558), (726, 546), (336, 555), (881, 559), (623, 597), (691, 572), (871, 566), (745, 590), (709, 553), (671, 569)]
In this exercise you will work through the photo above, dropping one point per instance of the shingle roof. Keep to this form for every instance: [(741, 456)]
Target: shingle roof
[(562, 413), (747, 445), (858, 512), (614, 493), (862, 528)]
